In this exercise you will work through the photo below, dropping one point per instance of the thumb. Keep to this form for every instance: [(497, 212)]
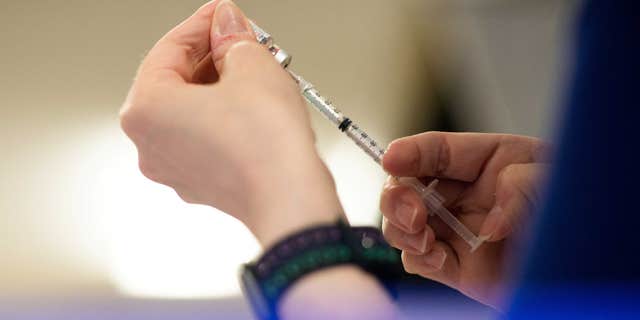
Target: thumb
[(516, 194), (230, 31)]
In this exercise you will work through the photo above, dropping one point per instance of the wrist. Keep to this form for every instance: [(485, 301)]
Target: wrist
[(320, 250), (296, 197)]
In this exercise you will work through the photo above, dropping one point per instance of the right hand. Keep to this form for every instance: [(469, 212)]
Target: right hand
[(490, 182), (216, 118)]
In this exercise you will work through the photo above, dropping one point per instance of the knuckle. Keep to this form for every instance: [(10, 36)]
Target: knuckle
[(416, 158), (186, 197), (509, 175), (438, 162), (129, 122), (392, 239), (148, 170), (443, 156), (408, 264), (135, 117), (393, 236)]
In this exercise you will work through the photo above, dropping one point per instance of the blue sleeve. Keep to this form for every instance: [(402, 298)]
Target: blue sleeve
[(584, 258)]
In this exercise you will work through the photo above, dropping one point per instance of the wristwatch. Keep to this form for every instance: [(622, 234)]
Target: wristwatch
[(267, 279)]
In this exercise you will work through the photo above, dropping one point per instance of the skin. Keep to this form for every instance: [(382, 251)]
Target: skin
[(215, 117), (490, 182)]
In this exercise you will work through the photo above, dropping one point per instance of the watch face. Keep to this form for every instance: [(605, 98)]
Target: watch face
[(253, 292)]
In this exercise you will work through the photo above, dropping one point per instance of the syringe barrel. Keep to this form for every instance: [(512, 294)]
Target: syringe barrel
[(357, 135), (366, 143), (321, 104)]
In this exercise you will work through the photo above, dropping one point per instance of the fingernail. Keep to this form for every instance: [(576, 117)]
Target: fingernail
[(229, 19), (405, 214), (417, 241), (491, 222), (435, 259)]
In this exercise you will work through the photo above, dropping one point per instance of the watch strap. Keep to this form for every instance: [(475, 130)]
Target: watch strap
[(267, 279)]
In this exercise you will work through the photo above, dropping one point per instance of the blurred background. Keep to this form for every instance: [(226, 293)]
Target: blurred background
[(84, 235)]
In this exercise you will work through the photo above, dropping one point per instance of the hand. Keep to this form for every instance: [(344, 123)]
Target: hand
[(215, 117), (490, 183)]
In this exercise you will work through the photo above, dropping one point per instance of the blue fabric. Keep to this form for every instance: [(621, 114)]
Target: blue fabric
[(584, 261)]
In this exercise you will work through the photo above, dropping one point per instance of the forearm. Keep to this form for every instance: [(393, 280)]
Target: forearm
[(302, 199), (285, 202)]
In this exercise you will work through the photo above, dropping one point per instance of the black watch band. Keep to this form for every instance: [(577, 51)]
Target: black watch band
[(266, 280)]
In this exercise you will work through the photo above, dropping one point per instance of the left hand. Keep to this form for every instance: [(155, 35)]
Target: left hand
[(490, 183), (215, 117)]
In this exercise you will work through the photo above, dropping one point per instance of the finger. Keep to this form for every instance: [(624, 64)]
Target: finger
[(418, 243), (517, 191), (456, 156), (177, 55), (402, 206), (439, 264), (229, 27), (236, 52), (451, 190), (394, 191)]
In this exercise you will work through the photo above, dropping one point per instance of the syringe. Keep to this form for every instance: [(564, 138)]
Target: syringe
[(431, 198)]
